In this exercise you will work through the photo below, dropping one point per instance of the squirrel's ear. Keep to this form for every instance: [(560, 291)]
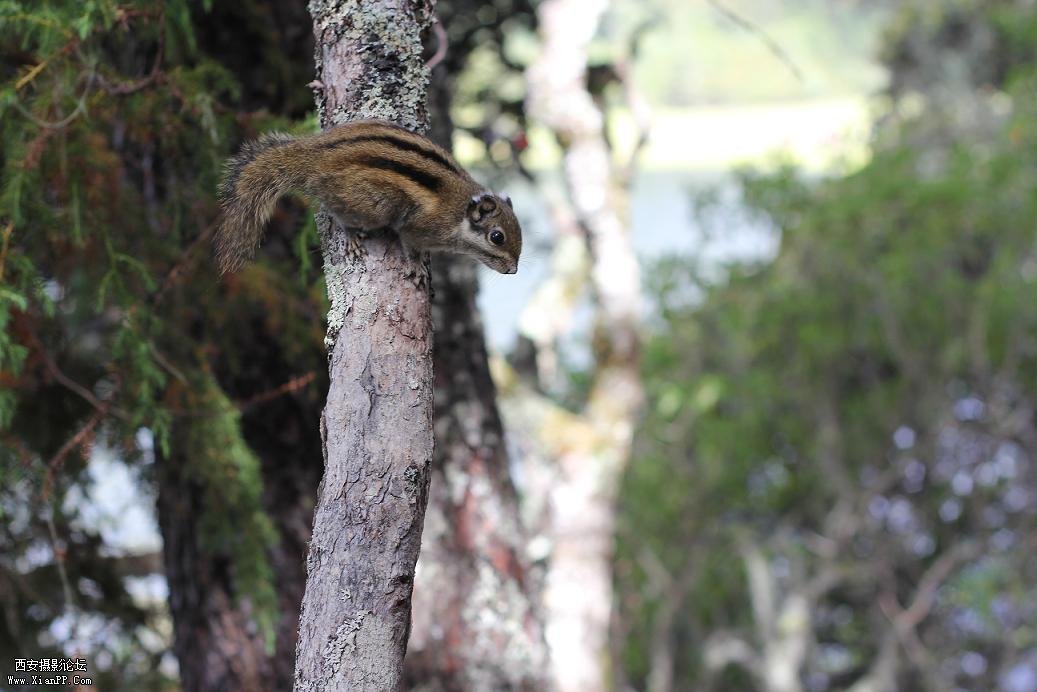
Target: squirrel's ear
[(481, 206), (507, 200)]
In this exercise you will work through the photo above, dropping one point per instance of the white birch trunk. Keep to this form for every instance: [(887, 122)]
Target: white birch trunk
[(591, 449)]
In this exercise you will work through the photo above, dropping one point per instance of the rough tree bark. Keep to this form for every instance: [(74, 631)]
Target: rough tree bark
[(589, 450), (377, 423), (476, 626)]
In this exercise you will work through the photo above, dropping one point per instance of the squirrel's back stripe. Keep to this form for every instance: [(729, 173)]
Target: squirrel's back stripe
[(401, 143), (391, 134), (425, 180)]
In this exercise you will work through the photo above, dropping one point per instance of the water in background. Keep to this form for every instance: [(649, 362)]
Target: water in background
[(664, 220)]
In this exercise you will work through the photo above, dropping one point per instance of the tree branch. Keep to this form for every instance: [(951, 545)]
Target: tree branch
[(771, 45)]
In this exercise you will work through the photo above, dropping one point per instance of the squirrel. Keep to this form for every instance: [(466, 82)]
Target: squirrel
[(369, 175)]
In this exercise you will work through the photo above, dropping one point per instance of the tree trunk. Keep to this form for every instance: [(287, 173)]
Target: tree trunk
[(215, 639), (288, 446), (221, 551), (476, 625), (377, 422)]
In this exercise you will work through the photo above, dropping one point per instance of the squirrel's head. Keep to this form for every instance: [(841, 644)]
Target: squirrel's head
[(493, 235)]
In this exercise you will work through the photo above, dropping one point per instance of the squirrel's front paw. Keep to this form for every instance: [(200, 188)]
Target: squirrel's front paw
[(354, 248)]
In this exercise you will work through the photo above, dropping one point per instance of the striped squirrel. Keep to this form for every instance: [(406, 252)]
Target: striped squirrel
[(369, 175)]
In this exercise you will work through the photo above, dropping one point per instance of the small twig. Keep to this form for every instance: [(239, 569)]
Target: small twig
[(31, 74), (292, 385), (3, 247), (906, 620), (66, 584), (932, 580), (177, 270), (767, 41), (642, 118), (441, 45), (64, 122), (68, 383), (34, 150), (39, 67), (59, 562), (77, 440), (636, 101), (130, 87), (166, 364), (133, 86)]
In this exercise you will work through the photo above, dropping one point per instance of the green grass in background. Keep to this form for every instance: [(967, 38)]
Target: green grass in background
[(719, 95)]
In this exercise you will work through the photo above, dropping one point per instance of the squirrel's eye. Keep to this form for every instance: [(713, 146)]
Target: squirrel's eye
[(497, 238)]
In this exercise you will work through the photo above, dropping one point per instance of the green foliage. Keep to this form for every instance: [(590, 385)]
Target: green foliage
[(941, 50), (233, 522), (115, 118), (897, 292)]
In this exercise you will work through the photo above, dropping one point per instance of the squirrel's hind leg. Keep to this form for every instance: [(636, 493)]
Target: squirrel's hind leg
[(420, 271)]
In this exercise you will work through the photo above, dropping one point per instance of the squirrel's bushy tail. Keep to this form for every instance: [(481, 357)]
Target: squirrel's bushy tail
[(253, 181)]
